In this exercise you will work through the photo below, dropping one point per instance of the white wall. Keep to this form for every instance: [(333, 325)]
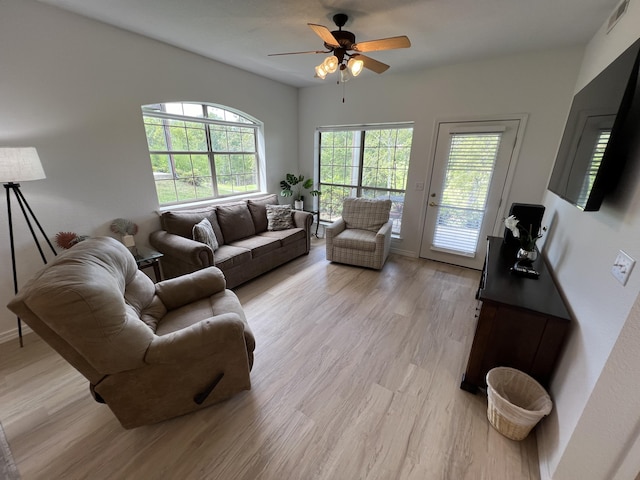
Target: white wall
[(73, 88), (595, 423), (539, 84)]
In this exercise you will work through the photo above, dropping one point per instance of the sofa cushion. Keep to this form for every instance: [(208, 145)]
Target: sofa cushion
[(203, 233), (257, 207), (181, 222), (356, 239), (235, 221), (228, 256), (279, 217), (364, 213), (286, 237), (258, 245)]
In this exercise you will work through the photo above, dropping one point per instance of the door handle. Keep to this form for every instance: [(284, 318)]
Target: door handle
[(433, 204)]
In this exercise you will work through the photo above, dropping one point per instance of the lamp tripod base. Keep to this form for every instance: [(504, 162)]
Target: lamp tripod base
[(29, 217)]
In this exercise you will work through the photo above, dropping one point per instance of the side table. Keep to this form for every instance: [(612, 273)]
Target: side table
[(145, 258)]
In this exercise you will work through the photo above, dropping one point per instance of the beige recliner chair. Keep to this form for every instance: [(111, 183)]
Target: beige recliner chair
[(362, 236), (150, 351)]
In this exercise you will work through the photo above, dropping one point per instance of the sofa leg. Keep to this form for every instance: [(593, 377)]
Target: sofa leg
[(199, 398)]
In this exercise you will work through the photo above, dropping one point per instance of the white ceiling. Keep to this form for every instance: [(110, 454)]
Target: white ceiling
[(243, 32)]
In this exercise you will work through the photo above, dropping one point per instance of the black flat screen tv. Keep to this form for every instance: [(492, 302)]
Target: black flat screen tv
[(595, 143)]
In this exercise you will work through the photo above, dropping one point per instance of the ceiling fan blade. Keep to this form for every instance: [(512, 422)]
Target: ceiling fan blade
[(371, 64), (297, 53), (324, 33), (390, 43)]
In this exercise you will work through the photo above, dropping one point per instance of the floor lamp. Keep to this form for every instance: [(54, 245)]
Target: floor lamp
[(21, 165)]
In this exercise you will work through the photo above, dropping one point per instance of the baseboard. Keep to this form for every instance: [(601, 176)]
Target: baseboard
[(12, 335), (543, 458), (404, 253)]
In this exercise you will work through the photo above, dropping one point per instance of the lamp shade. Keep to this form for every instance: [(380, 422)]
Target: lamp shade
[(345, 75), (355, 66), (330, 64), (321, 72), (20, 164)]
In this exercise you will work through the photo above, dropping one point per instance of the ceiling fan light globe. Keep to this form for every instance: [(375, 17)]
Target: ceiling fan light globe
[(330, 64), (355, 66), (345, 75), (321, 72)]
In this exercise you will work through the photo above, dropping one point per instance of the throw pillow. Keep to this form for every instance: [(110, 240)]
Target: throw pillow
[(279, 217), (203, 233)]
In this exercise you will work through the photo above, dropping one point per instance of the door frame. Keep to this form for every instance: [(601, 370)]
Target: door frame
[(498, 226)]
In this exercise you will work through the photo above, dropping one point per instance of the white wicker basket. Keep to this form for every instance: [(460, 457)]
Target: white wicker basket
[(516, 402)]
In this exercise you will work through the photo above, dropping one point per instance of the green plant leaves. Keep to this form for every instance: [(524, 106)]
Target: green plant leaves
[(293, 185)]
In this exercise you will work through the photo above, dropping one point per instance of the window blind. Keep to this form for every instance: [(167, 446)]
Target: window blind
[(594, 166), (471, 160)]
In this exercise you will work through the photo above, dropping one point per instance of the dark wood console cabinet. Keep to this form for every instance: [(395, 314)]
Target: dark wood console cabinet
[(522, 321)]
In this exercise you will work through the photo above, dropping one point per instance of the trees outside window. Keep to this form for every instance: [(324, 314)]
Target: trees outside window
[(369, 162), (201, 151)]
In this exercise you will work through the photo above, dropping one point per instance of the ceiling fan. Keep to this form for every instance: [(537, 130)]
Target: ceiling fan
[(347, 54)]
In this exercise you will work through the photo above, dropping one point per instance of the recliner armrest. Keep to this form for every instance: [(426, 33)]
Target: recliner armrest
[(187, 250), (221, 333), (191, 287)]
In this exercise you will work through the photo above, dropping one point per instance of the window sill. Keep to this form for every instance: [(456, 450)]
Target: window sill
[(208, 203)]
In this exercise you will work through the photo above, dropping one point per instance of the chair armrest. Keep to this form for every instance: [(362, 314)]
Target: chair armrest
[(186, 250), (191, 287), (383, 239), (334, 229), (385, 229), (214, 335)]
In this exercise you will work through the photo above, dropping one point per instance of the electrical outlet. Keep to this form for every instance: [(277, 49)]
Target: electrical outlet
[(622, 267), (419, 186)]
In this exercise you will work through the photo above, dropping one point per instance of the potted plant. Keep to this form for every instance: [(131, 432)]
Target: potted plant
[(292, 187)]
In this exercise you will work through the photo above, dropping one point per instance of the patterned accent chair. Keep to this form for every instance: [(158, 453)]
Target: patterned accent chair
[(150, 351), (362, 236)]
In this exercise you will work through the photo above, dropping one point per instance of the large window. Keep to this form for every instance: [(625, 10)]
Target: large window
[(201, 151), (370, 162)]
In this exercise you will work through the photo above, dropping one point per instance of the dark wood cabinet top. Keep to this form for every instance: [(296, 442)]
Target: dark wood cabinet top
[(500, 285)]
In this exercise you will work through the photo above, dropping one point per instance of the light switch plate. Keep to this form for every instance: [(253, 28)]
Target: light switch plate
[(622, 267)]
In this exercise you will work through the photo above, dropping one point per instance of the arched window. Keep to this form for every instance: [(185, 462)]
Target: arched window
[(201, 151)]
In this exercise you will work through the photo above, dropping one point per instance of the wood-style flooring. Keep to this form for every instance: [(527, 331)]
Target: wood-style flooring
[(356, 376)]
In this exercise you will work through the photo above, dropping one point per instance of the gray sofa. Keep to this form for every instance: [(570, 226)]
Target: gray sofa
[(246, 247)]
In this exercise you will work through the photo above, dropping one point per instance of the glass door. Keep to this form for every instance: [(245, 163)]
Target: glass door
[(470, 169)]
